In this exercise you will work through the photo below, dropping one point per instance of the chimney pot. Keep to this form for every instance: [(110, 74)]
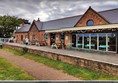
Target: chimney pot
[(38, 19)]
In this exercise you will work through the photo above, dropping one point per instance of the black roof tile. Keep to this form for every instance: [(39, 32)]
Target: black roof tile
[(109, 15), (24, 28)]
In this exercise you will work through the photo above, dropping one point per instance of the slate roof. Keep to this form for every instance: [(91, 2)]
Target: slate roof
[(39, 24), (61, 23), (110, 15), (69, 22), (24, 28)]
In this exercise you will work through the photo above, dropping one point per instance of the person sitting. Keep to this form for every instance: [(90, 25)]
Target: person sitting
[(54, 46), (37, 43)]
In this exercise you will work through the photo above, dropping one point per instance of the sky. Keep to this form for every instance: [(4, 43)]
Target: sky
[(52, 9)]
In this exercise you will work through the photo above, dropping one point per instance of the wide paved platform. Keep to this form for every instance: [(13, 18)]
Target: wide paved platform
[(91, 56)]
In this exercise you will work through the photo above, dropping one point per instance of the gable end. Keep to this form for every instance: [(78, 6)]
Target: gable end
[(91, 14)]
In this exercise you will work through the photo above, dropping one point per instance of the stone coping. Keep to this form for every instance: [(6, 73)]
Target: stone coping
[(53, 51)]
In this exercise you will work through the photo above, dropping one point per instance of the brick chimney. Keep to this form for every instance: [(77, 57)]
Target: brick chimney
[(38, 19)]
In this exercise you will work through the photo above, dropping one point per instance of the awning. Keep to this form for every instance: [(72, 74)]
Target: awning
[(51, 31), (108, 26)]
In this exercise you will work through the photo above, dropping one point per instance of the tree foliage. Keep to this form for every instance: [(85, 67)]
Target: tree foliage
[(8, 24)]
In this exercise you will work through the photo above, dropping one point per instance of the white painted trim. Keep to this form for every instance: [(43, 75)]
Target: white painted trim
[(97, 41), (82, 40), (106, 42), (89, 41), (108, 26), (116, 34), (76, 41)]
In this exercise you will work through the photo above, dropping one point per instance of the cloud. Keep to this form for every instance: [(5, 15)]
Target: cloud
[(52, 9)]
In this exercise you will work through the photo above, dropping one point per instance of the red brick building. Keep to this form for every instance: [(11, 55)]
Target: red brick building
[(22, 33), (32, 31), (92, 30), (35, 33)]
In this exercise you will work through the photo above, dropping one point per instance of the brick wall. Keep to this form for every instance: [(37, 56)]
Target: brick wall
[(91, 15), (68, 38), (18, 36), (57, 38), (48, 40), (33, 31), (39, 34)]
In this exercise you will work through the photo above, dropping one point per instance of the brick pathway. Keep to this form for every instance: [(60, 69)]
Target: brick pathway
[(37, 70), (91, 56)]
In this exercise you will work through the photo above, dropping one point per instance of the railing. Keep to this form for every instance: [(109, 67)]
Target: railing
[(4, 39)]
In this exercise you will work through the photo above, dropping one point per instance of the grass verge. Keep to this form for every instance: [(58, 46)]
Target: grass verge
[(11, 72), (81, 73)]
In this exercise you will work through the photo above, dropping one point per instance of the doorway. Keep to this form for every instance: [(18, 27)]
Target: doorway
[(21, 37), (74, 40), (52, 38)]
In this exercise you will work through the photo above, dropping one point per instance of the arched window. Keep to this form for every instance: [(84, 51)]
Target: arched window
[(46, 36), (33, 37), (90, 23)]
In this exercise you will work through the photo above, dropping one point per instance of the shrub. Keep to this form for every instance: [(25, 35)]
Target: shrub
[(25, 49)]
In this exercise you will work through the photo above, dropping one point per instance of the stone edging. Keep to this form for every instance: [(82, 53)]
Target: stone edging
[(100, 66)]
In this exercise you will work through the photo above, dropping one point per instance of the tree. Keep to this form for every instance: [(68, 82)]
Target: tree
[(8, 24)]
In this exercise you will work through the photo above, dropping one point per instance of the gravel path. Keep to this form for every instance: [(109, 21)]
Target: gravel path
[(37, 70)]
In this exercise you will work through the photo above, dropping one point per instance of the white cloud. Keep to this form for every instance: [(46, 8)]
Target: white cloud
[(111, 3), (42, 15), (52, 9)]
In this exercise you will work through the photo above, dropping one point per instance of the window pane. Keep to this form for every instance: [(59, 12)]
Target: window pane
[(62, 37), (111, 42), (90, 23), (93, 41), (73, 40), (52, 38), (86, 41), (79, 41), (46, 36), (102, 41)]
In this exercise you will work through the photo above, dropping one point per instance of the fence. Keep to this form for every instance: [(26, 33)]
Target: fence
[(4, 39)]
